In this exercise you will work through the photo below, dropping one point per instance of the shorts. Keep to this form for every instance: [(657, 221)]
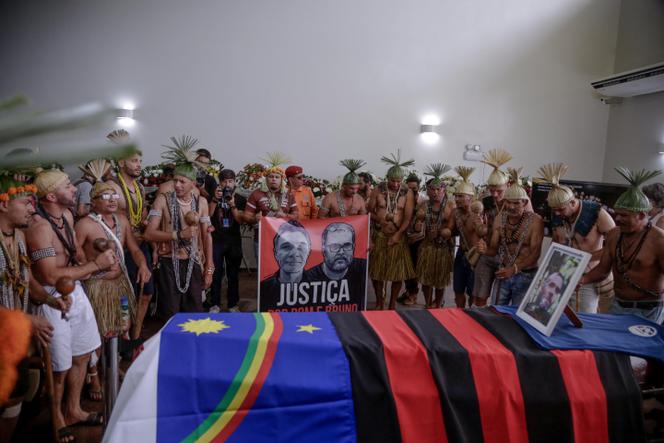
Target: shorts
[(75, 336), (485, 274), (132, 270), (463, 276)]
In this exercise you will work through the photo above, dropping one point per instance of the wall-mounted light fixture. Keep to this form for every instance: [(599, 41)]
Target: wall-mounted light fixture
[(429, 129), (125, 115)]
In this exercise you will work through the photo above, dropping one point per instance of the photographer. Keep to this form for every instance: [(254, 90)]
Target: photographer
[(226, 208), (205, 182)]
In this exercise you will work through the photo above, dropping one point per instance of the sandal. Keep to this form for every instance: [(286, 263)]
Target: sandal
[(93, 419), (65, 435)]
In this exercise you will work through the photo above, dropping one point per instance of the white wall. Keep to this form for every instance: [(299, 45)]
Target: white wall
[(636, 126), (326, 80)]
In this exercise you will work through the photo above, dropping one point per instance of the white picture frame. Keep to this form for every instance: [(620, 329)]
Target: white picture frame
[(552, 287)]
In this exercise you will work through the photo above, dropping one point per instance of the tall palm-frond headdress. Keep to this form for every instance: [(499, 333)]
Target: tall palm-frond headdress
[(634, 200), (559, 194), (184, 156), (496, 158), (351, 178), (515, 191), (97, 169), (436, 171), (397, 169), (464, 186)]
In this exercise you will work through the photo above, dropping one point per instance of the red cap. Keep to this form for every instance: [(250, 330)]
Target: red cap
[(293, 170)]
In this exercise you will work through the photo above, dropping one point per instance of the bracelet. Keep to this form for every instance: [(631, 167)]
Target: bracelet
[(175, 235), (516, 269), (51, 301), (209, 271)]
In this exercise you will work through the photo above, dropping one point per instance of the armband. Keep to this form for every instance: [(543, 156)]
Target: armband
[(40, 254), (204, 219), (154, 213)]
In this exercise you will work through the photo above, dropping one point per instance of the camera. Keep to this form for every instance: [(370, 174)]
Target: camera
[(200, 178), (227, 194)]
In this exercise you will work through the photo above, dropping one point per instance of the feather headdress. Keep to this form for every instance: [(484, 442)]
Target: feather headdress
[(97, 169), (496, 158), (397, 169), (634, 200), (351, 178), (436, 171), (274, 161), (464, 186), (559, 194), (183, 155), (515, 191)]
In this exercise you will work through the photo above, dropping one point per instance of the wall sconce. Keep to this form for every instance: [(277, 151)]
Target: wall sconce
[(429, 133), (125, 116)]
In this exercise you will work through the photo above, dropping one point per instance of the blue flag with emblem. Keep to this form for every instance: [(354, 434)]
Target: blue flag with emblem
[(629, 334)]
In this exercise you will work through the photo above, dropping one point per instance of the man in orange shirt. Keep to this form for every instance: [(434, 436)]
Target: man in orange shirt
[(304, 197)]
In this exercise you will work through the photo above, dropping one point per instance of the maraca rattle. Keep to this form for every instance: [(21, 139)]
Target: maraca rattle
[(65, 286), (191, 218)]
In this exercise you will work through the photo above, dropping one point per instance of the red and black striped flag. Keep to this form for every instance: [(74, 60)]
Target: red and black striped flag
[(472, 376)]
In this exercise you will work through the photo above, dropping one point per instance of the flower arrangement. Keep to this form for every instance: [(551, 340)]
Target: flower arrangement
[(320, 187), (152, 175), (249, 177)]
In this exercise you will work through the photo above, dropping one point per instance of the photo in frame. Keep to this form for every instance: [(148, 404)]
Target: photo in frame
[(552, 287)]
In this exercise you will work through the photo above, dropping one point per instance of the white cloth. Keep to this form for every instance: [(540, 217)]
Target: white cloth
[(588, 299), (134, 416), (78, 335)]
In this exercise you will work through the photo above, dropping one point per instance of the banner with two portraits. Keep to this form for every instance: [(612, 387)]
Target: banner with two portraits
[(313, 265)]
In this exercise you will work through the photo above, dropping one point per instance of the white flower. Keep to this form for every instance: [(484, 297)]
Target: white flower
[(316, 189), (328, 189)]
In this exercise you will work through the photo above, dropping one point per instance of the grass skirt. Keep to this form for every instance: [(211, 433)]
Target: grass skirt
[(434, 263), (390, 263), (104, 296)]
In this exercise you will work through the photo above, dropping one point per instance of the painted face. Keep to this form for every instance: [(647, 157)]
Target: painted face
[(350, 190), (338, 250), (132, 165), (182, 185), (394, 183), (497, 191), (516, 208), (273, 181), (292, 251), (630, 222), (463, 200), (20, 211)]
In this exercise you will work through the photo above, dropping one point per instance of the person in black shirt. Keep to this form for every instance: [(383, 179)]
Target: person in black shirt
[(226, 208)]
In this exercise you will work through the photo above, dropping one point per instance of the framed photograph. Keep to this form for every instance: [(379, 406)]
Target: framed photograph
[(552, 287)]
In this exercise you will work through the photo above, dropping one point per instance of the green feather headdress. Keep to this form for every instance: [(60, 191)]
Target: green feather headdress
[(397, 170), (436, 171), (634, 200), (183, 155), (464, 186), (351, 178)]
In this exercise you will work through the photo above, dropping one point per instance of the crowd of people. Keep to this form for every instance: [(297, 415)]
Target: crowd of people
[(85, 259)]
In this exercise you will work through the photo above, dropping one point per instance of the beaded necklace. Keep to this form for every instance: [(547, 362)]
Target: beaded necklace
[(15, 277), (192, 248), (518, 235), (135, 214)]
